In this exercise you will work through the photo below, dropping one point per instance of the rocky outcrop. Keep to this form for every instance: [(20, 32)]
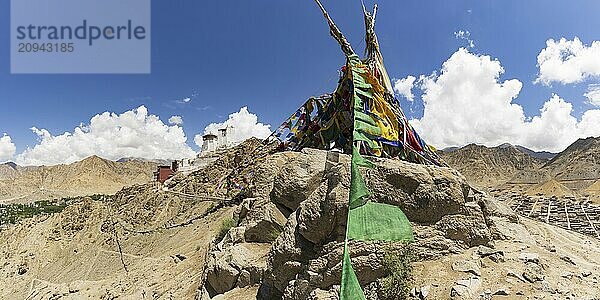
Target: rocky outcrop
[(425, 193), (239, 265), (262, 223), (297, 180), (304, 216)]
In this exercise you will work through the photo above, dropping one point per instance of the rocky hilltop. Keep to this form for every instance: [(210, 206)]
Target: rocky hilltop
[(260, 225), (537, 154), (577, 168), (8, 170), (579, 164), (93, 175)]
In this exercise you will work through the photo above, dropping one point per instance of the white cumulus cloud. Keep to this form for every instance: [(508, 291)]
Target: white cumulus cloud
[(134, 133), (7, 148), (468, 103), (403, 87), (175, 120), (588, 125), (554, 129), (198, 140), (567, 61), (243, 125), (593, 94)]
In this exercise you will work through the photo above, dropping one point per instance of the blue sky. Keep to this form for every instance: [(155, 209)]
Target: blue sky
[(272, 55)]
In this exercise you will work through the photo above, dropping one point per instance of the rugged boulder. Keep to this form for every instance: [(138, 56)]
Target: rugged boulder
[(239, 265), (263, 223)]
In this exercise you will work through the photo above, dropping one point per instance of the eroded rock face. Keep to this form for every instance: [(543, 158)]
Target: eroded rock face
[(321, 215), (298, 178), (289, 252), (221, 276), (237, 265), (263, 223), (311, 189), (425, 193), (468, 227)]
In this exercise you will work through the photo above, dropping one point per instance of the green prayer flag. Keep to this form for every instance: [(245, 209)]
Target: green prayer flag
[(359, 160), (378, 222), (358, 188), (350, 289), (367, 220)]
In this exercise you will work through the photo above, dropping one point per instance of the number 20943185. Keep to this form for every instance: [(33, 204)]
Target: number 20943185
[(46, 47)]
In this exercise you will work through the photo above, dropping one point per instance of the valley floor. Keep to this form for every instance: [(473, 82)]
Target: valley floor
[(74, 255)]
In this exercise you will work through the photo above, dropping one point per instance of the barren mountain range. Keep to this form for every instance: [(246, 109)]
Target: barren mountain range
[(93, 175), (489, 167), (577, 167)]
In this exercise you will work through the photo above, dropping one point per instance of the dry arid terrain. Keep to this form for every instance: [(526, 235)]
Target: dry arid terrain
[(263, 225), (570, 172), (489, 167), (93, 175)]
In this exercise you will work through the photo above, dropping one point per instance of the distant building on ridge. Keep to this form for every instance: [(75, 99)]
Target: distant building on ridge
[(220, 141), (209, 143)]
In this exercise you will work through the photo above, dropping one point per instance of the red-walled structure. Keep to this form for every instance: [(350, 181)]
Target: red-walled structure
[(163, 173)]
